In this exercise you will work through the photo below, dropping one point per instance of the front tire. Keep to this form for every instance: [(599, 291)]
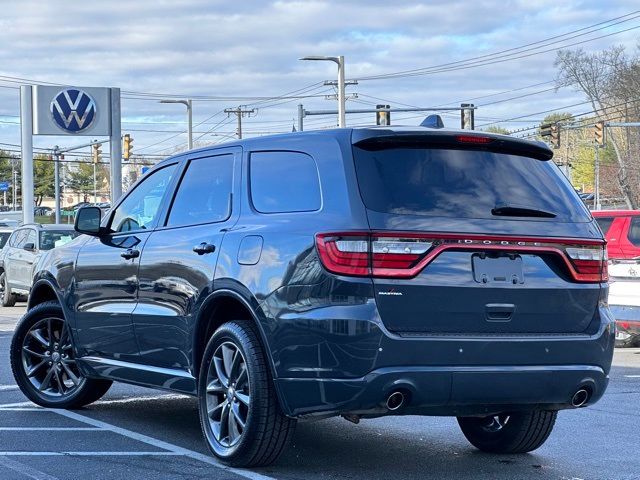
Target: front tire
[(518, 432), (239, 413), (43, 362), (8, 299)]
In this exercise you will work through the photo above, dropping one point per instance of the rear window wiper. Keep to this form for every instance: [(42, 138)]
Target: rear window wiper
[(512, 210)]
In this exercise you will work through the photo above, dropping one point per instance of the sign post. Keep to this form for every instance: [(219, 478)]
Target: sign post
[(26, 132)]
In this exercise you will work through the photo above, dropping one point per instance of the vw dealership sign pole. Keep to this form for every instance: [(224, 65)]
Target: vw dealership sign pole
[(68, 111)]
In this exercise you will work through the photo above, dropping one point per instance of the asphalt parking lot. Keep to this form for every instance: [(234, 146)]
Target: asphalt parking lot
[(135, 433)]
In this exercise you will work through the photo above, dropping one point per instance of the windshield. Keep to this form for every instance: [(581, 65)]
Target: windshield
[(464, 184), (56, 238)]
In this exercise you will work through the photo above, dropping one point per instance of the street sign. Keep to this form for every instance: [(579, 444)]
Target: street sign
[(4, 186)]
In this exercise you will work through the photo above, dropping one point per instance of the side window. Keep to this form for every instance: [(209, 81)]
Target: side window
[(204, 192), (31, 237), (604, 223), (634, 231), (141, 207), (18, 238), (284, 182)]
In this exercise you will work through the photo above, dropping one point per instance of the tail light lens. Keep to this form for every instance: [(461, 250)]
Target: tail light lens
[(404, 255)]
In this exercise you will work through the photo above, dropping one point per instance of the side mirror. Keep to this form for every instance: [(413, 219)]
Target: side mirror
[(88, 221), (30, 247)]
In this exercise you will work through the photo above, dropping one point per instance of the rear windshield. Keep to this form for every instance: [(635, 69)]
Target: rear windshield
[(462, 184)]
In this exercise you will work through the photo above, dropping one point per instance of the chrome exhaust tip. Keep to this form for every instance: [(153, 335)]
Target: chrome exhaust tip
[(395, 401), (580, 397)]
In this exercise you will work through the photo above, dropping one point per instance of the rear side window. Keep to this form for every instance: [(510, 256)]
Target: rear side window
[(462, 183), (284, 182), (634, 231), (204, 193), (604, 223)]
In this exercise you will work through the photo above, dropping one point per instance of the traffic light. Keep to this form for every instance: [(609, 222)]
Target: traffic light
[(127, 147), (598, 133), (96, 152), (382, 117), (555, 135), (545, 130)]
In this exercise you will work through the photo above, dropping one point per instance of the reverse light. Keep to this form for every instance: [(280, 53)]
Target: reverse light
[(405, 254)]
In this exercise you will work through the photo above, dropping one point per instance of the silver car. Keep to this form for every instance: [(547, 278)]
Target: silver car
[(22, 252)]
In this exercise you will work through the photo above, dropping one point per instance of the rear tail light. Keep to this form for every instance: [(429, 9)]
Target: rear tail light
[(404, 255)]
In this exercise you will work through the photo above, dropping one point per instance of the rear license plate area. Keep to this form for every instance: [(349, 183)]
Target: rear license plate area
[(497, 269)]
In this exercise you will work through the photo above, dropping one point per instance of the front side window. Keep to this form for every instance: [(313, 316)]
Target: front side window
[(204, 193), (50, 239), (634, 231), (30, 238), (284, 182), (140, 209)]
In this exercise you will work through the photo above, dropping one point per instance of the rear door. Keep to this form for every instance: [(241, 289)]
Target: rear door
[(12, 255), (471, 240), (179, 259), (631, 246), (24, 258)]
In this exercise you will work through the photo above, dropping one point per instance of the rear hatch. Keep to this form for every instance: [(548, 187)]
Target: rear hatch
[(471, 234)]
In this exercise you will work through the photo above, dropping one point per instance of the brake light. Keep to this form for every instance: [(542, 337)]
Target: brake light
[(475, 139), (405, 254)]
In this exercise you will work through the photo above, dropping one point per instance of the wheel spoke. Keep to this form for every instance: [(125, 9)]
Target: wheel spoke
[(47, 380), (33, 369), (31, 352), (242, 376), (215, 386), (228, 355), (235, 410), (232, 427), (61, 386), (224, 422), (215, 409), (38, 336), (70, 375), (50, 330), (244, 398), (220, 373)]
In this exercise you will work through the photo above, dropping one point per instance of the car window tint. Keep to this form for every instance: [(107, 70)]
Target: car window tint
[(604, 223), (634, 231), (204, 192), (284, 182), (4, 236), (141, 207)]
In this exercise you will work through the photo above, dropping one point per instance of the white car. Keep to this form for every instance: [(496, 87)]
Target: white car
[(624, 300)]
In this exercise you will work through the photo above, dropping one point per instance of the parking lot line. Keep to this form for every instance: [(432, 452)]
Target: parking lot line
[(162, 445), (25, 470), (50, 429), (87, 454), (7, 388)]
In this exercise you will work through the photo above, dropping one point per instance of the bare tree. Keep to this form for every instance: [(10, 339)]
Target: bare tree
[(608, 78)]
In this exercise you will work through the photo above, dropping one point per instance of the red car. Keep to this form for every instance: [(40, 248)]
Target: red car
[(621, 228)]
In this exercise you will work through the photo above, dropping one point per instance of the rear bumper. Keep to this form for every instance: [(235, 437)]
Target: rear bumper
[(446, 375), (446, 390)]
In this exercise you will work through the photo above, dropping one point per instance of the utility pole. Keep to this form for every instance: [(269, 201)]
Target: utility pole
[(596, 196), (239, 113), (56, 181), (341, 85)]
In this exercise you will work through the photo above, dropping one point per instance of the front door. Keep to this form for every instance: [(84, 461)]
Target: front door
[(106, 284), (179, 259)]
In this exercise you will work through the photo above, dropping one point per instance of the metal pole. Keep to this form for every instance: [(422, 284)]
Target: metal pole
[(14, 179), (300, 117), (239, 122), (190, 122), (95, 188), (56, 181), (596, 196), (26, 126), (341, 94), (115, 147)]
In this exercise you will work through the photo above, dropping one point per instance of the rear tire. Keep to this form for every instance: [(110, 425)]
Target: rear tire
[(240, 416), (8, 299), (518, 432), (43, 362)]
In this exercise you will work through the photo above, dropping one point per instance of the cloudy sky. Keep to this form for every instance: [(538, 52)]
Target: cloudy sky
[(223, 54)]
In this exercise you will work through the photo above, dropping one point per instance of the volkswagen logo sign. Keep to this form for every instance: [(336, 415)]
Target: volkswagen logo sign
[(73, 110)]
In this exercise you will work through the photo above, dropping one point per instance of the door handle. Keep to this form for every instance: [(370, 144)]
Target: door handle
[(204, 247), (130, 253)]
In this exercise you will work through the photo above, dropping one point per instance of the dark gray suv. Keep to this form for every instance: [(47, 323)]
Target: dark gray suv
[(353, 272)]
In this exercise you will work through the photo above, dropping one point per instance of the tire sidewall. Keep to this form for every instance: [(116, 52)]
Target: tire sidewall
[(48, 310), (231, 332)]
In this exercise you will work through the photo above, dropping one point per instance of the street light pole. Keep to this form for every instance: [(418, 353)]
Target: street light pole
[(342, 121), (189, 104)]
